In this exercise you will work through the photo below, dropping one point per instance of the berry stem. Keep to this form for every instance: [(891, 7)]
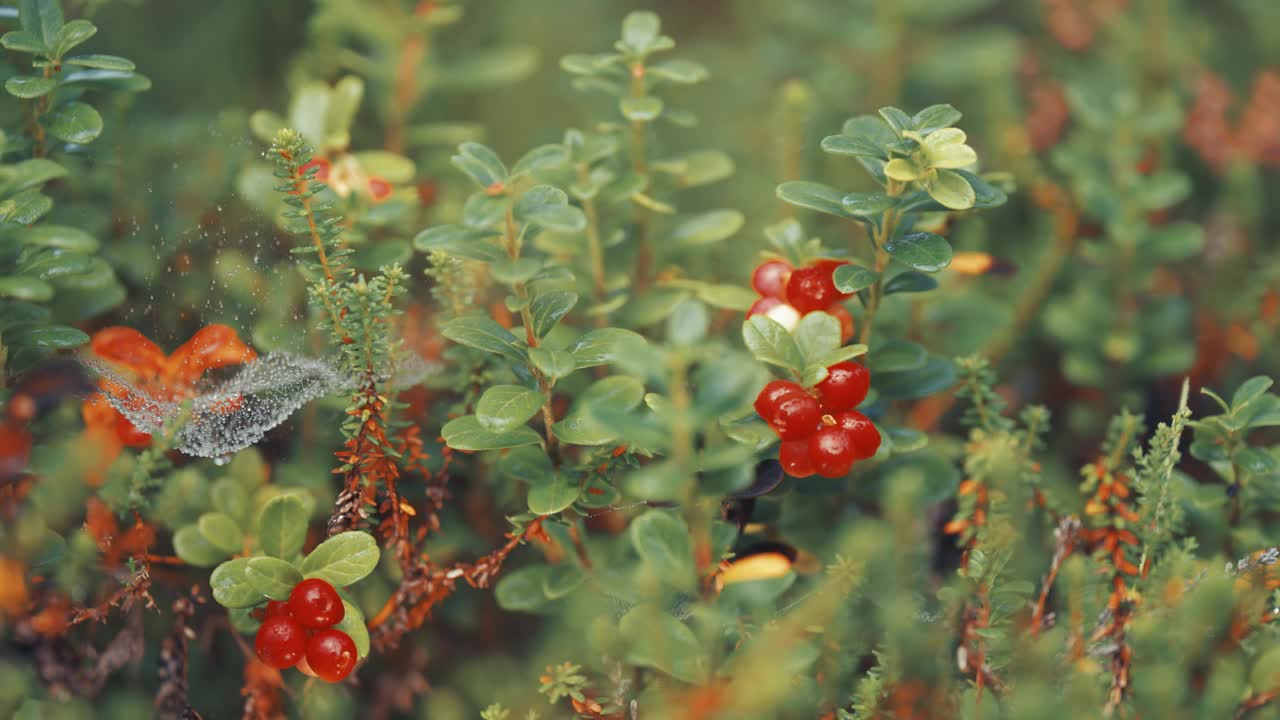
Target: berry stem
[(888, 223), (512, 241)]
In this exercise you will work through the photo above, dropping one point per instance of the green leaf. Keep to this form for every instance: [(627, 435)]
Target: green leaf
[(45, 338), (282, 527), (840, 354), (707, 228), (640, 31), (483, 333), (658, 640), (851, 278), (42, 18), (682, 72), (353, 624), (272, 577), (818, 335), (231, 586), (813, 196), (1249, 390), (503, 407), (598, 347), (921, 250), (662, 540), (703, 167), (986, 195), (936, 375), (727, 297), (870, 204), (1175, 241), (1162, 189), (551, 495), (480, 164), (640, 109), (896, 355), (102, 62), (222, 532), (19, 287), (949, 188), (563, 579), (548, 207), (466, 433), (935, 117), (62, 237), (521, 590), (688, 323), (74, 122), (110, 79), (29, 86), (548, 308), (22, 41), (540, 159), (461, 241), (190, 545), (855, 146), (343, 559), (29, 174), (229, 497), (771, 343), (553, 363), (616, 394), (897, 119), (909, 282)]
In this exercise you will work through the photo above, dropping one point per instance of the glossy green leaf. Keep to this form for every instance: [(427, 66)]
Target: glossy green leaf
[(503, 407), (771, 343), (460, 240), (521, 590), (29, 86), (231, 586), (541, 159), (110, 79), (949, 188), (598, 347), (935, 117), (663, 542), (467, 433), (896, 355), (43, 19), (658, 640), (282, 527), (548, 308), (813, 196), (640, 31), (62, 237), (272, 577), (850, 278), (45, 338), (854, 146), (909, 282), (920, 250), (682, 72), (343, 559), (19, 287), (22, 41), (483, 333), (101, 62), (551, 495), (817, 335), (481, 164), (553, 363), (74, 122)]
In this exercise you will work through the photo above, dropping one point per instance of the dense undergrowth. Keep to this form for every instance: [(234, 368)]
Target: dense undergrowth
[(497, 360)]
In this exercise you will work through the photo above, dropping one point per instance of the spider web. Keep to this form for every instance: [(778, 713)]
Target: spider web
[(230, 415)]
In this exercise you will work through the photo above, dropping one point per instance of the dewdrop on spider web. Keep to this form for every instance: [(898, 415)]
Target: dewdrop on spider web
[(229, 415)]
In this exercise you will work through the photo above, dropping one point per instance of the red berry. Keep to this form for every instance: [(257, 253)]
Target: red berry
[(275, 607), (331, 655), (841, 313), (865, 436), (773, 393), (844, 387), (770, 278), (316, 604), (280, 642), (794, 457), (832, 451), (776, 310), (812, 288), (795, 416)]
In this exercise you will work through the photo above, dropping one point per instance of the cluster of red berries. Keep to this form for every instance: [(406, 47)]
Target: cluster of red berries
[(821, 434), (299, 633), (787, 294)]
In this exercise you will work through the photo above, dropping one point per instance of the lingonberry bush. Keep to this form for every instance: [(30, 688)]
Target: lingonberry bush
[(507, 361)]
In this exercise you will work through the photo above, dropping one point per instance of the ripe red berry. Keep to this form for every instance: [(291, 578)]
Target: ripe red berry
[(331, 655), (315, 604), (795, 416), (795, 460), (841, 313), (770, 278), (832, 451), (844, 387), (280, 642), (776, 310), (812, 288), (275, 607), (865, 437), (769, 397)]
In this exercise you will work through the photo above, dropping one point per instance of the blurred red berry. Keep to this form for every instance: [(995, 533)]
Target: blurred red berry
[(770, 278)]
